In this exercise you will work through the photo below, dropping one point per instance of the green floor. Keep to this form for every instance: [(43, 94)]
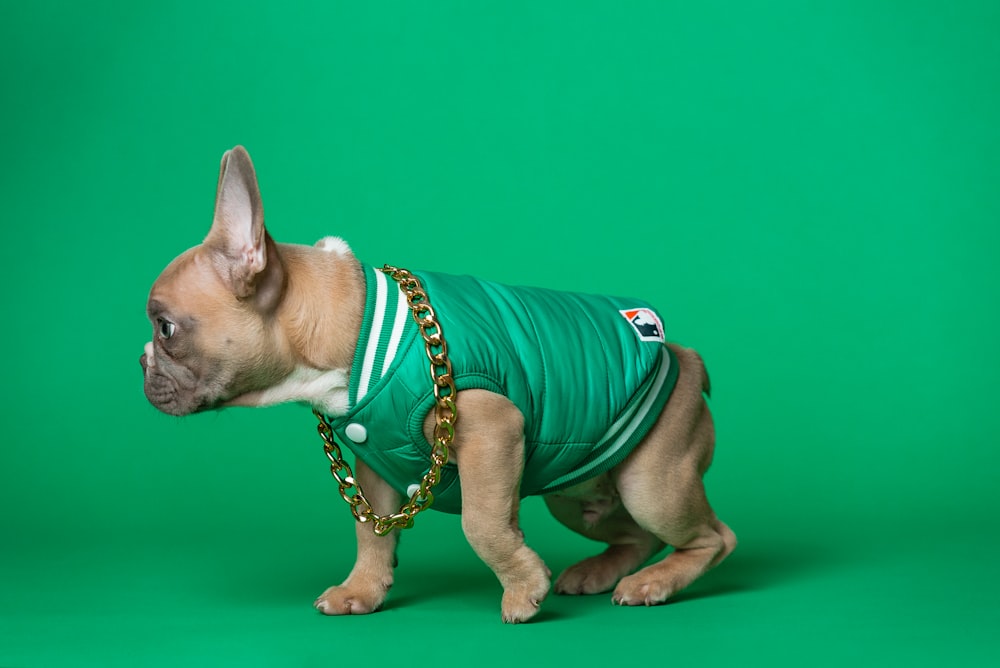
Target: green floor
[(206, 544), (792, 595), (807, 192)]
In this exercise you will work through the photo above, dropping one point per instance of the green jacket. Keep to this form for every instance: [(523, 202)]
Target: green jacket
[(590, 375)]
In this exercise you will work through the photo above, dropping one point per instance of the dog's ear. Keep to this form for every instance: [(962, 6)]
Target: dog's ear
[(243, 252)]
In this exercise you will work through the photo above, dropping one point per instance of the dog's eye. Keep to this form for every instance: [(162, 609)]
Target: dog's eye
[(166, 328)]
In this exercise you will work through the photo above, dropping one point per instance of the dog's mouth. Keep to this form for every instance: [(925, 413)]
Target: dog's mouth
[(174, 393), (164, 395)]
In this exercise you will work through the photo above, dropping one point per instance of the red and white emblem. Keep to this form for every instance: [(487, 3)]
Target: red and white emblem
[(645, 322)]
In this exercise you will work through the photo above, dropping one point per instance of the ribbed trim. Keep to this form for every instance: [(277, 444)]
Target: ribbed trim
[(382, 329), (629, 428)]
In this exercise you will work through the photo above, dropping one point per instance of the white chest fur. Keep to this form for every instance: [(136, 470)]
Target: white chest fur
[(324, 390)]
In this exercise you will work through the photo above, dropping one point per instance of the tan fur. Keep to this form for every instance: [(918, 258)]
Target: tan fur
[(366, 587), (253, 316)]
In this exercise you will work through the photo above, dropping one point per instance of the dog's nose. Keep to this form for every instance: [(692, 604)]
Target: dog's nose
[(147, 360)]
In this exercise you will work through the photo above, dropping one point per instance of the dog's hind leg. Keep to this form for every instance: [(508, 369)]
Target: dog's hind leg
[(597, 516), (660, 485), (698, 546)]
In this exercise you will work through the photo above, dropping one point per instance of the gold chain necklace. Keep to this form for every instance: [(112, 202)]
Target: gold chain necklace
[(445, 416)]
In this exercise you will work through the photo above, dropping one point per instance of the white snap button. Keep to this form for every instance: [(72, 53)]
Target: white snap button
[(412, 489), (356, 432)]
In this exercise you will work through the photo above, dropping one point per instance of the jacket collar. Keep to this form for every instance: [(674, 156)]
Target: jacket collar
[(386, 321)]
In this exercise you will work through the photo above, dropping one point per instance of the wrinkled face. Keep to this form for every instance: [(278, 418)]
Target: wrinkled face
[(208, 347)]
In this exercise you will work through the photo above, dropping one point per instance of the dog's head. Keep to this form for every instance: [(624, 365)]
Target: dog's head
[(212, 309)]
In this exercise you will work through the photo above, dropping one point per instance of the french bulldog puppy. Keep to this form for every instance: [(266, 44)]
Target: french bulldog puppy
[(240, 320)]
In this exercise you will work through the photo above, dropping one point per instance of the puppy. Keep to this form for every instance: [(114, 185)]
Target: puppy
[(573, 397)]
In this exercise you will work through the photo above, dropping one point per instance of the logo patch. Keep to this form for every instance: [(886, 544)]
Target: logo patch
[(645, 322)]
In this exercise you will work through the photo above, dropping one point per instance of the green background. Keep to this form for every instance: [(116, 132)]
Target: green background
[(809, 191)]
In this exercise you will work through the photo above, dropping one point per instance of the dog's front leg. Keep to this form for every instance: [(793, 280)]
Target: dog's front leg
[(366, 587), (489, 450)]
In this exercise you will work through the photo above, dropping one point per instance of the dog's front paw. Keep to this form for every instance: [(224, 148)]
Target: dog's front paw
[(522, 603), (523, 596), (349, 599)]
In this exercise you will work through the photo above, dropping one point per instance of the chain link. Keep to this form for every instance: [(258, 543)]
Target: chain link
[(445, 416)]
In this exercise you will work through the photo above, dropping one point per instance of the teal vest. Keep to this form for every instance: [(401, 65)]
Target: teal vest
[(590, 375)]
